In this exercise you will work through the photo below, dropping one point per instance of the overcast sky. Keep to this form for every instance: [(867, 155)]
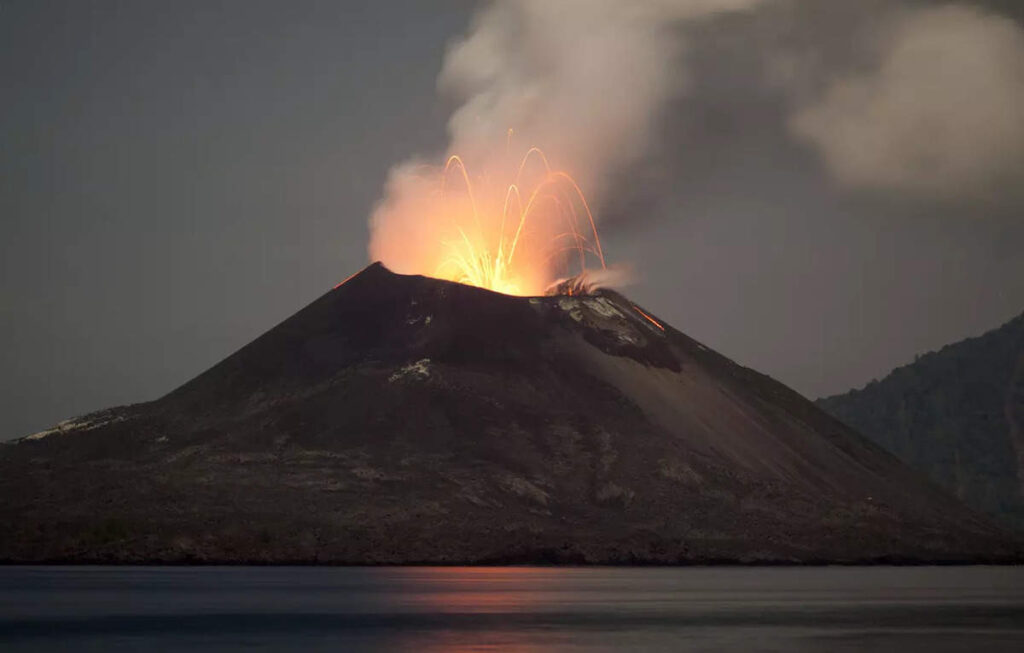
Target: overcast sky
[(827, 195)]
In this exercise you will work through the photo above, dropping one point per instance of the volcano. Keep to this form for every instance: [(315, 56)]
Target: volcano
[(405, 419)]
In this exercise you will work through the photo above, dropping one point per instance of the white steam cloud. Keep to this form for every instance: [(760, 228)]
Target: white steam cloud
[(942, 115), (585, 80)]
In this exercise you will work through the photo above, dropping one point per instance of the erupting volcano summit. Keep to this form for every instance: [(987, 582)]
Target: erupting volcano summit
[(405, 419)]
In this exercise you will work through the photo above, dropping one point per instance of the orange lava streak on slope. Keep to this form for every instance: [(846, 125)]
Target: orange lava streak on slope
[(648, 317), (510, 237)]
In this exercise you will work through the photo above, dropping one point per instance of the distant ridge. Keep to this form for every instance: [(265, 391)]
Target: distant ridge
[(957, 415)]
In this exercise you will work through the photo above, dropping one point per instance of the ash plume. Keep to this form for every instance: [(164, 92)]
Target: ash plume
[(585, 80), (938, 115)]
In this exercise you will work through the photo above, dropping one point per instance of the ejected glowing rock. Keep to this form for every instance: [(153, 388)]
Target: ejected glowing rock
[(513, 228), (402, 419)]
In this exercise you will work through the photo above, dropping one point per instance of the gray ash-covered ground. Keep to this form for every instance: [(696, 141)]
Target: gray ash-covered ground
[(403, 419)]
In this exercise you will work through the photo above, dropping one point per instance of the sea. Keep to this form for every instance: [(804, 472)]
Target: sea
[(456, 609)]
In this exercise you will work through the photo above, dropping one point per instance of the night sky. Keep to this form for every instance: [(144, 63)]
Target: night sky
[(178, 177)]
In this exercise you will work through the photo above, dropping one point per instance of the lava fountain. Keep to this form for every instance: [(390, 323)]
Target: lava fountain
[(517, 227)]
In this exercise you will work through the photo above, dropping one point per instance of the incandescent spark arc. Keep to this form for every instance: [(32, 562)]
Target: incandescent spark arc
[(518, 227)]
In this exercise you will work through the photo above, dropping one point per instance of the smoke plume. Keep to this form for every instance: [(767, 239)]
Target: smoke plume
[(585, 80), (939, 116)]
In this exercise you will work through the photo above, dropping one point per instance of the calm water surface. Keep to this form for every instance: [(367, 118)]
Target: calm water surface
[(977, 609)]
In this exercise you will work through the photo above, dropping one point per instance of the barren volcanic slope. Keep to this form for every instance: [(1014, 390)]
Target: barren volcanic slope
[(405, 419)]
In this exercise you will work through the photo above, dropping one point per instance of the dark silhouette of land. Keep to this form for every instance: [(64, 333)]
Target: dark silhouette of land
[(956, 415), (402, 419)]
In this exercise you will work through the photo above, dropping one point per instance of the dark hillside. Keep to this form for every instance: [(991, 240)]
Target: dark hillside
[(957, 415)]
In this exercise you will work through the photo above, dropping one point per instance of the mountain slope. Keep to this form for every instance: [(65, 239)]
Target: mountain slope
[(956, 415), (404, 419)]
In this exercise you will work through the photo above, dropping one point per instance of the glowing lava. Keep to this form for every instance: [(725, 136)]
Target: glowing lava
[(514, 229)]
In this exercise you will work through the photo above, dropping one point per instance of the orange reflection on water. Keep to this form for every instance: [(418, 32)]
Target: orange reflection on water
[(488, 592), (486, 589)]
